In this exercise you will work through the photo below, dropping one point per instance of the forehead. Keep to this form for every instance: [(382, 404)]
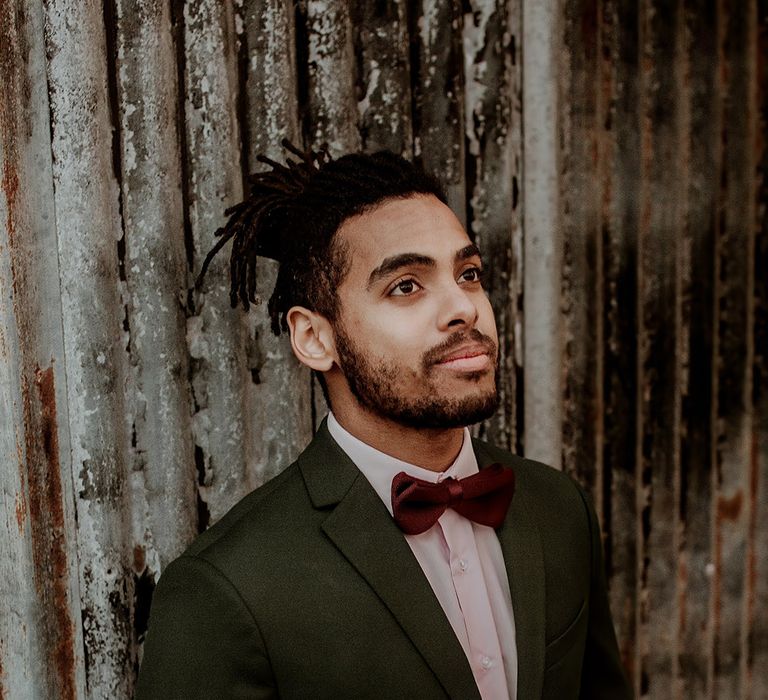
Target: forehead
[(420, 224)]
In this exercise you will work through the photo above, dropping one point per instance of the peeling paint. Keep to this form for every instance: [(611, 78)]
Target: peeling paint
[(331, 71)]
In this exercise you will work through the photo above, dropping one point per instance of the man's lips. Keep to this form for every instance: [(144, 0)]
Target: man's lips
[(470, 358)]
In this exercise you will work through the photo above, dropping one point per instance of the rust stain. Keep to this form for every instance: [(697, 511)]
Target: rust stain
[(21, 511), (139, 559), (10, 185), (46, 511), (9, 62), (730, 508)]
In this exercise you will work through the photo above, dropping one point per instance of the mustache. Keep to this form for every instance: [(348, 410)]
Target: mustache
[(455, 341)]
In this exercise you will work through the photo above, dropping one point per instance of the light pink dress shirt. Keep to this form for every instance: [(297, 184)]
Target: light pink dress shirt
[(463, 563)]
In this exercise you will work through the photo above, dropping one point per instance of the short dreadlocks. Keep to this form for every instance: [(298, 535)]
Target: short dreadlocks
[(291, 215)]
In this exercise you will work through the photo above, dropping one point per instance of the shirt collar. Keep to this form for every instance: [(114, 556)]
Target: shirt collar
[(380, 468)]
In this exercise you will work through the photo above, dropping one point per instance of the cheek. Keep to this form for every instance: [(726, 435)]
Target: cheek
[(487, 320), (390, 340)]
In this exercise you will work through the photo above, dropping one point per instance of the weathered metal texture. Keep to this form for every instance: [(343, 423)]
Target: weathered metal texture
[(332, 114), (698, 311), (384, 90), (493, 120), (633, 313), (582, 264), (438, 94), (153, 272), (661, 205), (542, 228), (734, 319), (88, 228), (620, 154), (41, 641), (268, 52), (757, 563), (213, 181)]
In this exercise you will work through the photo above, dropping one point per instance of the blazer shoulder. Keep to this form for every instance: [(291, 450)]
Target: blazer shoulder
[(280, 488)]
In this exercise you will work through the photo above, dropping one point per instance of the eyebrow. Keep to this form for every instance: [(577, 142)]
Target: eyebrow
[(395, 262)]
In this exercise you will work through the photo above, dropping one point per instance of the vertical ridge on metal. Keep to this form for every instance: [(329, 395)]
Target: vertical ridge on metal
[(41, 638), (215, 333), (154, 280), (88, 228), (331, 77), (542, 226)]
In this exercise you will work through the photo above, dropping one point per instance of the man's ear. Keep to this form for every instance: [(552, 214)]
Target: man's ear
[(311, 338)]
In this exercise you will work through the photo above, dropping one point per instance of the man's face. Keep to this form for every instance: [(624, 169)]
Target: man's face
[(415, 335)]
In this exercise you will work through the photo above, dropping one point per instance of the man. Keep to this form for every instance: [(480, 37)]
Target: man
[(391, 560)]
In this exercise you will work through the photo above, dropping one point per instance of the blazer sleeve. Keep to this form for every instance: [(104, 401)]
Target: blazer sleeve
[(602, 673), (202, 640)]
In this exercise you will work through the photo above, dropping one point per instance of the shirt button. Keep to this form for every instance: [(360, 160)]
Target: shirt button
[(463, 564), (486, 662)]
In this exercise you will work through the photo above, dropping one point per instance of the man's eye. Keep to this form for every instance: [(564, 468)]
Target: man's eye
[(472, 274), (404, 288)]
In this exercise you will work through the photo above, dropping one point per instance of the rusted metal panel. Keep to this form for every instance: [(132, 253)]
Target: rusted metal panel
[(21, 642), (582, 283), (493, 85), (215, 332), (40, 636), (757, 613), (696, 450), (384, 92), (438, 94), (734, 272), (542, 230), (88, 226), (661, 203), (280, 390), (620, 151)]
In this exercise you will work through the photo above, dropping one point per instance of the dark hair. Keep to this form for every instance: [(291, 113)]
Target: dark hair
[(291, 215)]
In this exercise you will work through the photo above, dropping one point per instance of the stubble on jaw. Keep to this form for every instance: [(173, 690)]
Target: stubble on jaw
[(372, 385)]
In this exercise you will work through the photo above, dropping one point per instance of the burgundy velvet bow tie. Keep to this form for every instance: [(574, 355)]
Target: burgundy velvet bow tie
[(483, 497)]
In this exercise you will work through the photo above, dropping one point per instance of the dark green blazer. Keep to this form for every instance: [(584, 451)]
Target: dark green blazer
[(307, 589)]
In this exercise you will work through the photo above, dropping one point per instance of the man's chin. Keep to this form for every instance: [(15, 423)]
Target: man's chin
[(442, 413)]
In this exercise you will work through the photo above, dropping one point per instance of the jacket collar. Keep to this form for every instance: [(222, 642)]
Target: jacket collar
[(359, 519)]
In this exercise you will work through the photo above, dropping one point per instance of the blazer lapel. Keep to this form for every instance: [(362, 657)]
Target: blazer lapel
[(363, 530), (524, 559)]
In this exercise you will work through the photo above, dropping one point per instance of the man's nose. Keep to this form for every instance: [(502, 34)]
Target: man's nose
[(457, 308)]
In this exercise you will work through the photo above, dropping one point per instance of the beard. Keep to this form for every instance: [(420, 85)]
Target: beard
[(382, 387)]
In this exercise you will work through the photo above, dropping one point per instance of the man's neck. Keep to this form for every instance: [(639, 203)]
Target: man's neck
[(433, 449)]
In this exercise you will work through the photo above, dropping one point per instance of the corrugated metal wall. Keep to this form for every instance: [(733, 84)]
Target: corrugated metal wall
[(609, 157)]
